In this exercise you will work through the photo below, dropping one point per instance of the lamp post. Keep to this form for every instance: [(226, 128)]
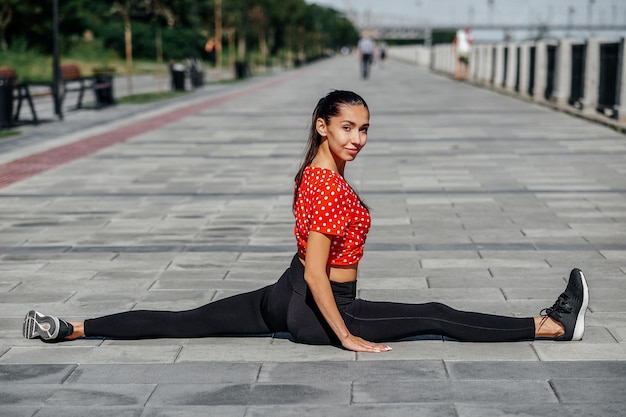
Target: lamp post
[(570, 19), (56, 71), (590, 14)]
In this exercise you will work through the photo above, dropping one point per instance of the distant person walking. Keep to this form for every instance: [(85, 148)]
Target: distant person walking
[(366, 49), (462, 45), (383, 53)]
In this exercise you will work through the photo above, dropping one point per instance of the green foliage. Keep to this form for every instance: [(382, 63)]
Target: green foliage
[(150, 97), (286, 24), (443, 37), (29, 64), (91, 51), (5, 134)]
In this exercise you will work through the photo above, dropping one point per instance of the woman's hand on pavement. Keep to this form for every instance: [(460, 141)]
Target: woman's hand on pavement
[(357, 344)]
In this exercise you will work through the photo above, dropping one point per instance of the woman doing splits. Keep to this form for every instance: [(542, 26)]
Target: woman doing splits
[(315, 298)]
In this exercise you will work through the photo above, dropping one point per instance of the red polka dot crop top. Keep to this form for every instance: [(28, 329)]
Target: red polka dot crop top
[(325, 203)]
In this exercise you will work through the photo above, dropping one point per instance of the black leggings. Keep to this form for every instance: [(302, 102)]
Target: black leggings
[(288, 306)]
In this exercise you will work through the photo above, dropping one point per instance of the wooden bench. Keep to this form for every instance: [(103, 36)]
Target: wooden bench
[(21, 92), (71, 81), (74, 81)]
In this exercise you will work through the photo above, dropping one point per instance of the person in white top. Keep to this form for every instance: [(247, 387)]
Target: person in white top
[(462, 45), (366, 48)]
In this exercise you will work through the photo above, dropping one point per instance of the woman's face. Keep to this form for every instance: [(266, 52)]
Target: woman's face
[(346, 132)]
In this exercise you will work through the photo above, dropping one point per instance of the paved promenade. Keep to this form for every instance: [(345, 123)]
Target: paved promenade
[(478, 200)]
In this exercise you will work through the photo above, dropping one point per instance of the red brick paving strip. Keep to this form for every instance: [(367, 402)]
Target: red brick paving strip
[(37, 163)]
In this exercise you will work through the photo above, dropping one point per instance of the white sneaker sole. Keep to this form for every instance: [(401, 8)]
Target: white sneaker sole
[(39, 325), (579, 329)]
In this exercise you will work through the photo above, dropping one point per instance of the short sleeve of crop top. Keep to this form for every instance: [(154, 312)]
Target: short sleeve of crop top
[(326, 204)]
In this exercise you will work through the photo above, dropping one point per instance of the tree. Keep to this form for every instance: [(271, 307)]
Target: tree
[(6, 14), (144, 9), (131, 27), (125, 8), (258, 22), (160, 10), (19, 14)]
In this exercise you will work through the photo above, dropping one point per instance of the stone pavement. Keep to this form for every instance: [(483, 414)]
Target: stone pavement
[(479, 200)]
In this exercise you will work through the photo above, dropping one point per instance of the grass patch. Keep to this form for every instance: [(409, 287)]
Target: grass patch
[(33, 66), (150, 97), (4, 134)]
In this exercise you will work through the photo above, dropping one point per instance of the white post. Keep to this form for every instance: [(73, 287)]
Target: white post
[(524, 69), (541, 70), (499, 68), (488, 63), (482, 66), (474, 64), (592, 73), (441, 64), (435, 63), (563, 71), (511, 67), (451, 60)]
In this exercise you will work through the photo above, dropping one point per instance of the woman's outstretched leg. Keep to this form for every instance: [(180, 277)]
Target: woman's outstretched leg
[(256, 312), (239, 314), (384, 321), (387, 321)]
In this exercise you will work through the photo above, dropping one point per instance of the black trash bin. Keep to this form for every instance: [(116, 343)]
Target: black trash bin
[(178, 77), (197, 77), (104, 92), (241, 69), (6, 102)]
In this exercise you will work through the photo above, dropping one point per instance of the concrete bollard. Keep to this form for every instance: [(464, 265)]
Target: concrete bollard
[(592, 65)]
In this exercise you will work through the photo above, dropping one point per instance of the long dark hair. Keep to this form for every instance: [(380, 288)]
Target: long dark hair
[(327, 107)]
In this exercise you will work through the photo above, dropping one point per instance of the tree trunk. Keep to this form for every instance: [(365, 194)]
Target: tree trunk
[(263, 48), (231, 49), (128, 37), (158, 41), (218, 38), (6, 15), (241, 47)]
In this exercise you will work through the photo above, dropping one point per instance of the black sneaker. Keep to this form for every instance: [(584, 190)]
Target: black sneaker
[(569, 309), (48, 328)]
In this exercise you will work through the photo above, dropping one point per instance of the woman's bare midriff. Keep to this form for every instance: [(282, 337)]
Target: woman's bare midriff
[(340, 273)]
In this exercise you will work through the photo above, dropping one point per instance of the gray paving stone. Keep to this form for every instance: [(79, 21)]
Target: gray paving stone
[(581, 351), (598, 409), (452, 391), (319, 372), (421, 349), (259, 349), (193, 411), (69, 411), (180, 373), (517, 370), (586, 390), (251, 394), (42, 374), (18, 411), (64, 354), (391, 410), (85, 396)]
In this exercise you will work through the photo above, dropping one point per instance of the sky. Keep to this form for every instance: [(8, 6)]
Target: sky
[(459, 13)]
